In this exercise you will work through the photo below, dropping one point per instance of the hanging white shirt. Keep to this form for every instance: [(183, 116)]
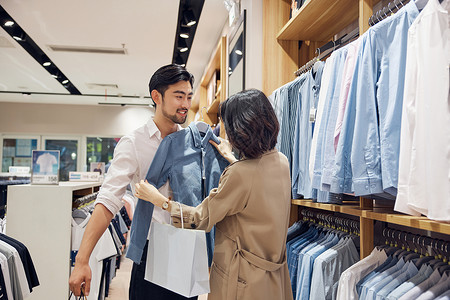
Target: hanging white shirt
[(104, 249), (23, 281), (6, 275), (424, 167)]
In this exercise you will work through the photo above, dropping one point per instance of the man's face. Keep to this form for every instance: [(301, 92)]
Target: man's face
[(177, 101)]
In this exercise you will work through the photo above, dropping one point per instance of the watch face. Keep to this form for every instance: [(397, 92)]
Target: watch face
[(165, 205)]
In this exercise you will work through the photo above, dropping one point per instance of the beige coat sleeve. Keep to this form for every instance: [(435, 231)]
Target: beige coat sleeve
[(229, 198)]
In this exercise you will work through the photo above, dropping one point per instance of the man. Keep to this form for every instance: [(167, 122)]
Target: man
[(171, 91)]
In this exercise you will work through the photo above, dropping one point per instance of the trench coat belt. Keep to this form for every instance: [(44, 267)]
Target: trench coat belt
[(252, 259)]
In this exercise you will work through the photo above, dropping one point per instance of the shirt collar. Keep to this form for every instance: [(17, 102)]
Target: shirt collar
[(198, 140), (153, 130)]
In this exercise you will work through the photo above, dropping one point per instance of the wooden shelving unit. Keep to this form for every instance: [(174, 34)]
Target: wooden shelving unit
[(315, 23), (319, 20), (216, 65), (379, 214)]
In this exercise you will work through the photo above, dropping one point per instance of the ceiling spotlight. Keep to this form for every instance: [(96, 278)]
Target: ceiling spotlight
[(46, 64), (19, 35), (184, 32), (9, 23), (179, 60), (183, 65), (54, 76), (189, 18), (182, 45), (238, 52), (65, 81)]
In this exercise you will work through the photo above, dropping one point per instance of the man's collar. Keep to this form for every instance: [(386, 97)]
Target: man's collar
[(153, 130)]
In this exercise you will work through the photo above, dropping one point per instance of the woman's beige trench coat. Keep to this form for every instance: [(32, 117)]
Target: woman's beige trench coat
[(250, 209)]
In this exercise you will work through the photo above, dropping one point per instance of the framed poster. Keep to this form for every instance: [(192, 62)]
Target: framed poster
[(45, 167), (98, 167)]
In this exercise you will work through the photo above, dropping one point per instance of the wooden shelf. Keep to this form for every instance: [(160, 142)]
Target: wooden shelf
[(319, 20), (415, 222), (379, 214), (213, 107), (349, 209)]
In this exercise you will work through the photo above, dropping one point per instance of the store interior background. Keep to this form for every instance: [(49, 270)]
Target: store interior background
[(148, 31)]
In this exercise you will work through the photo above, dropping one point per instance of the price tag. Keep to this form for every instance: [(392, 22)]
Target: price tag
[(312, 115)]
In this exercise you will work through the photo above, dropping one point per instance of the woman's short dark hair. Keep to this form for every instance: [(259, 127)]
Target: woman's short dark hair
[(250, 123), (167, 75)]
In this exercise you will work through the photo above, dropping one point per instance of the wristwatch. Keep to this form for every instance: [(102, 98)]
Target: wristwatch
[(165, 205)]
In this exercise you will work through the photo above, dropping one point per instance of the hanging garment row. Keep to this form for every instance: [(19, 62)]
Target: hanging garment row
[(341, 123), (105, 258), (406, 267), (319, 248), (17, 273)]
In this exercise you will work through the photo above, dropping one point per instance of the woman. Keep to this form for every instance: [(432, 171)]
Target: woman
[(250, 207)]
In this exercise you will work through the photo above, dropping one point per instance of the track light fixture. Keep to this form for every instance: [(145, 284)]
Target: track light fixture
[(27, 43), (19, 35), (182, 45), (184, 32), (189, 18)]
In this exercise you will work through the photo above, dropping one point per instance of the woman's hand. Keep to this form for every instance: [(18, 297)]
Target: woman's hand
[(224, 149), (148, 192)]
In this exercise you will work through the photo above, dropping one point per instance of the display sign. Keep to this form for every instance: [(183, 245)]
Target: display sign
[(84, 176), (19, 170), (98, 167), (45, 167)]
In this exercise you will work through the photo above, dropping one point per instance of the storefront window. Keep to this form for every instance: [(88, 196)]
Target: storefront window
[(100, 149), (17, 152), (68, 152)]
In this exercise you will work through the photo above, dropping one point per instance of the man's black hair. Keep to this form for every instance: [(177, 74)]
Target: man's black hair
[(168, 75)]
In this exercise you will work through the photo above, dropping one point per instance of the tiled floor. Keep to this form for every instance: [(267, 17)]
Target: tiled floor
[(118, 289)]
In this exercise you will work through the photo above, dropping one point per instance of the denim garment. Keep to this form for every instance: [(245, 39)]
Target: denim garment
[(337, 58), (303, 133), (193, 167), (379, 99)]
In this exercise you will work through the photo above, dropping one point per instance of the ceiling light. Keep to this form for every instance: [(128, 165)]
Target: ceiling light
[(179, 60), (65, 81), (182, 45), (9, 23), (54, 76), (19, 36), (189, 18), (238, 52), (46, 64), (183, 65), (184, 32)]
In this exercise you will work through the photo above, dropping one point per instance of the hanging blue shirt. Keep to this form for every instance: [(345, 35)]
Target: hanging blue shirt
[(308, 98), (379, 98), (193, 167)]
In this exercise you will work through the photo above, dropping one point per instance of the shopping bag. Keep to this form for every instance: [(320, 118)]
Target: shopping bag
[(177, 259)]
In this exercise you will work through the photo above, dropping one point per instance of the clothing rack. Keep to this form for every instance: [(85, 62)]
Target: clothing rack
[(331, 221), (326, 49), (425, 245), (84, 200), (386, 11)]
